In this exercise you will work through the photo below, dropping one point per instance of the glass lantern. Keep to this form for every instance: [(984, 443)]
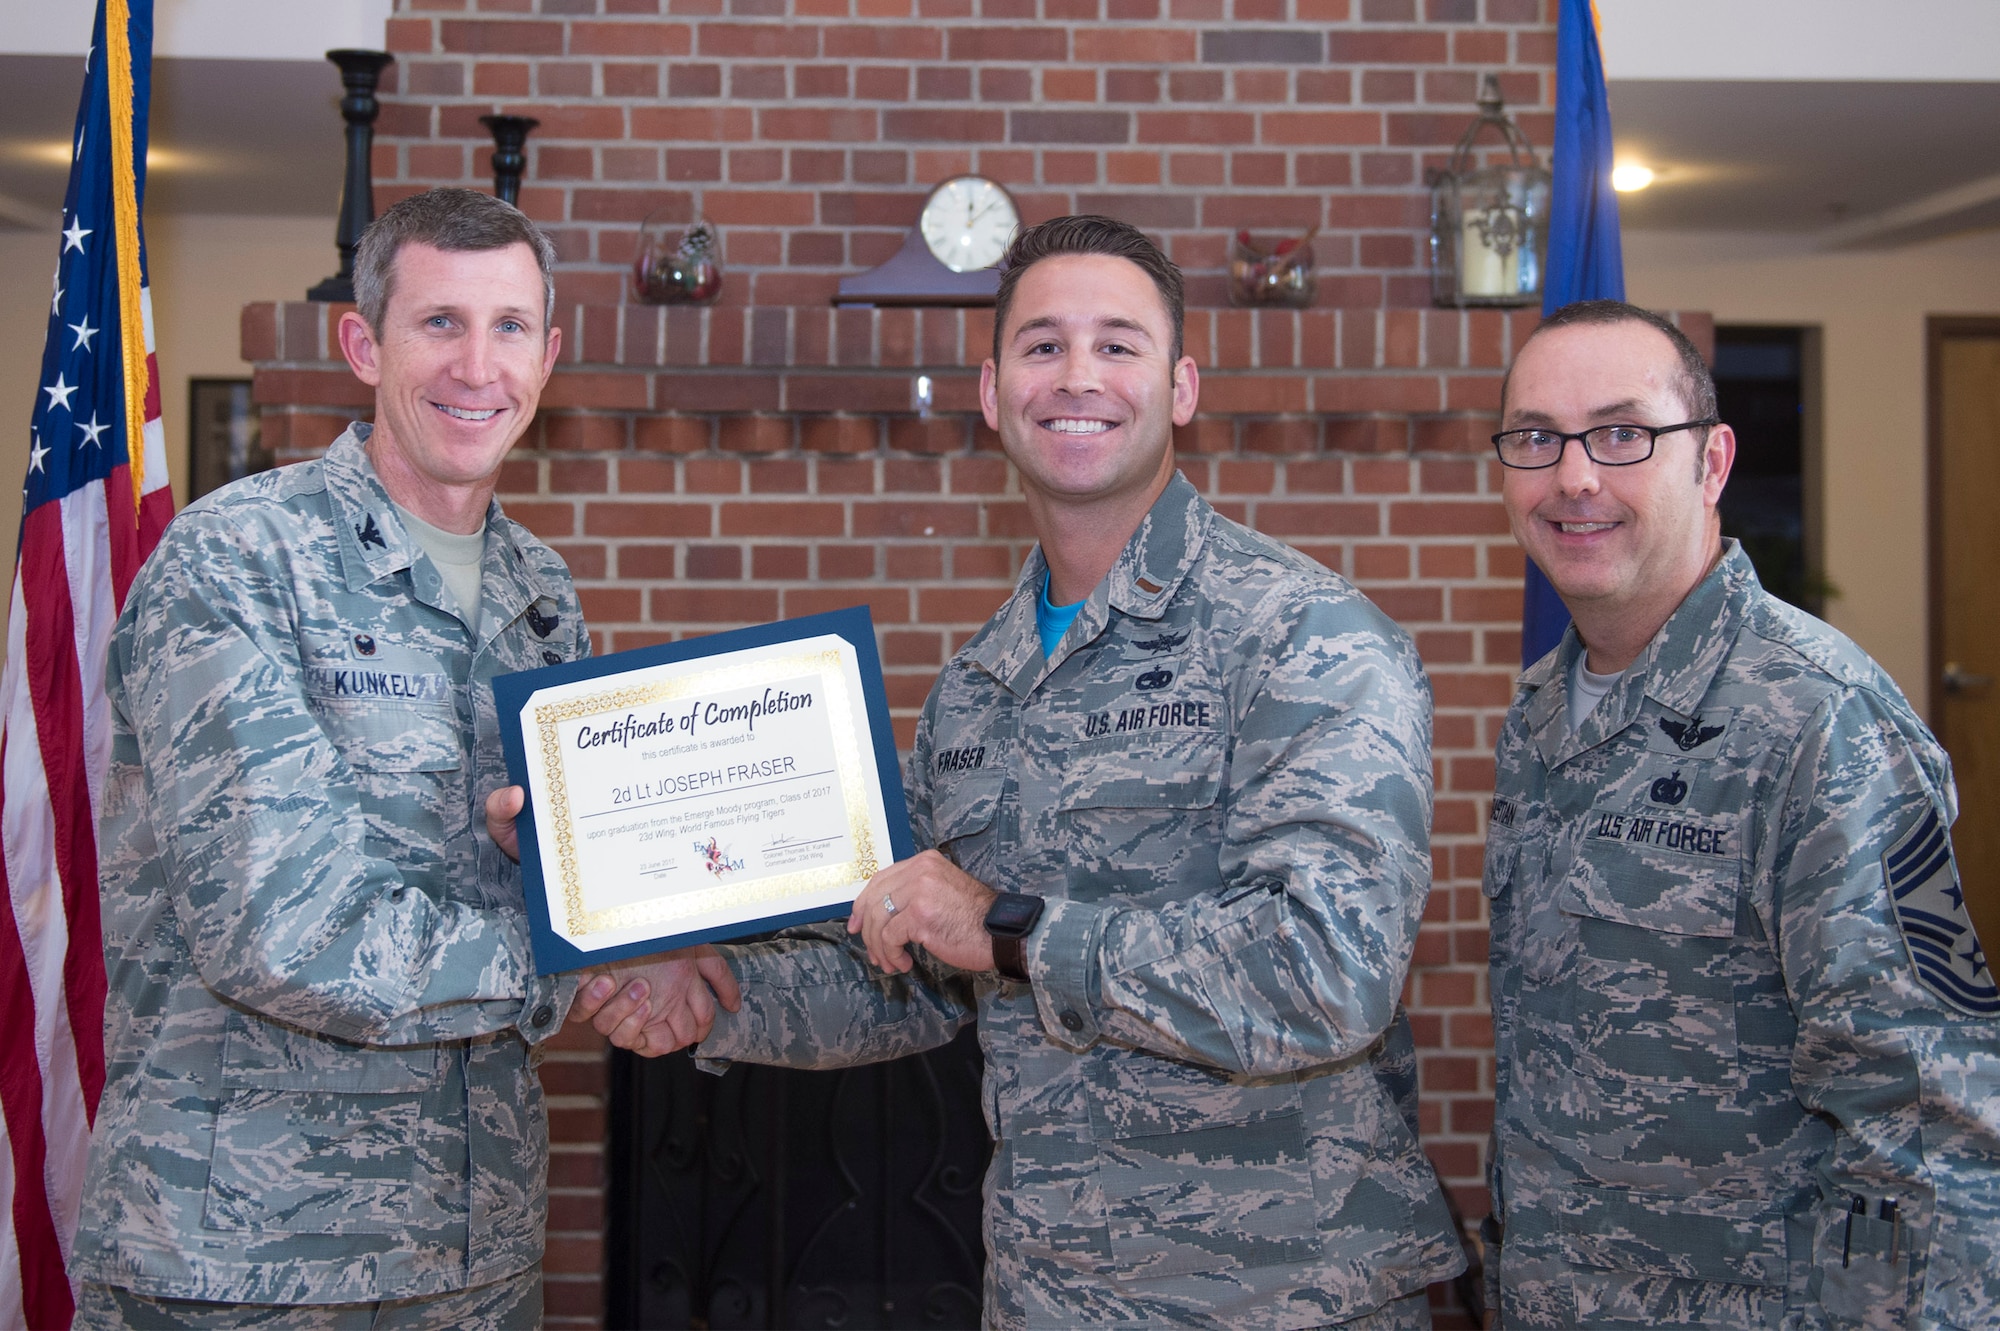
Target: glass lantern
[(1489, 224)]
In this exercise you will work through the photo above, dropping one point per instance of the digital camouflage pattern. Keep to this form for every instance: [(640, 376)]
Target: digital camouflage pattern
[(322, 1001), (510, 1304), (1205, 1103), (1713, 1042)]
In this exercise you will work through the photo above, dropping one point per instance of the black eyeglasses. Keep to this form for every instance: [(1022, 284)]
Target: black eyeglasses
[(1606, 445)]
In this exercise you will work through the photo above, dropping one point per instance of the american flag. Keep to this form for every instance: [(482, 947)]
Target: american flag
[(93, 508)]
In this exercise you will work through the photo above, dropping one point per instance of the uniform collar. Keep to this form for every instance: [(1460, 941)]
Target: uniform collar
[(1675, 670), (374, 543), (1150, 569)]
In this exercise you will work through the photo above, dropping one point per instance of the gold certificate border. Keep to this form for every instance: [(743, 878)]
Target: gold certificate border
[(829, 666)]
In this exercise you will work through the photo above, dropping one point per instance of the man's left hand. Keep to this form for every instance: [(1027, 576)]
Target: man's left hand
[(937, 905)]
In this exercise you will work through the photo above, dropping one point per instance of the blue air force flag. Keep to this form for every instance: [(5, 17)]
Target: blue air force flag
[(1930, 909)]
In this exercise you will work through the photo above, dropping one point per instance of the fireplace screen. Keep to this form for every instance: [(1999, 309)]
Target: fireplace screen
[(770, 1198)]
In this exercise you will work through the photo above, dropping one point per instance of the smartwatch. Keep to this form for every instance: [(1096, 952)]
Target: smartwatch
[(1010, 919)]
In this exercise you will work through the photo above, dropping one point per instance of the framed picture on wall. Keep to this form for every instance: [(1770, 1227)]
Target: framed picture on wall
[(223, 435)]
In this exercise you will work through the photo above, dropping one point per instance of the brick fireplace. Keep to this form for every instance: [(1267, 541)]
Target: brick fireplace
[(706, 468)]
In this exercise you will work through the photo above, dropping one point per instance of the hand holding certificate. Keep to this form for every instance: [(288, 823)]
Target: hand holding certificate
[(703, 789)]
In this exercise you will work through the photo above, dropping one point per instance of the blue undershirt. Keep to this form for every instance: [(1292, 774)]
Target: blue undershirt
[(1052, 621)]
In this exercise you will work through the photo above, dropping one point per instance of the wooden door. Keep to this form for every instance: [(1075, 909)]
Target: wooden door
[(1965, 597)]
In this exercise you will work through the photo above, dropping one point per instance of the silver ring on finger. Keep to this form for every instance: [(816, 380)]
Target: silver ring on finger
[(888, 906)]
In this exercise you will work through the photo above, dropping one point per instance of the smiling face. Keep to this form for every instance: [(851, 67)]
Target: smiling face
[(457, 368), (1085, 393), (1623, 546)]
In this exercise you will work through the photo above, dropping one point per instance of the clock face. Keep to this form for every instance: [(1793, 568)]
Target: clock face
[(967, 222)]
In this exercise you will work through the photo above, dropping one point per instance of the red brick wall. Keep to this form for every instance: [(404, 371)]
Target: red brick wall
[(809, 129), (704, 469)]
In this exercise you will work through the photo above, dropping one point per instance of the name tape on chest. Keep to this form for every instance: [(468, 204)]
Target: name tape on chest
[(1930, 910), (361, 682)]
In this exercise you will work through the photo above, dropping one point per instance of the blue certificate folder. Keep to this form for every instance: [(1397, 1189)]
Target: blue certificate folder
[(555, 953)]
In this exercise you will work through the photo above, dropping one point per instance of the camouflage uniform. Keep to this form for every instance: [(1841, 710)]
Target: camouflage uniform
[(319, 1083), (1205, 1103), (1713, 1038)]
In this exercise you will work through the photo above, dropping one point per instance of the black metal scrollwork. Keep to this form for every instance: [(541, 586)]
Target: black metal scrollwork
[(771, 1198)]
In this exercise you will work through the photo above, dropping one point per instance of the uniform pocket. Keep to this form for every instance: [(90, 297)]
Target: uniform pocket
[(408, 762), (313, 1162), (1149, 770), (1649, 1259), (1861, 1267), (1202, 1173), (1654, 984), (315, 1135), (964, 811)]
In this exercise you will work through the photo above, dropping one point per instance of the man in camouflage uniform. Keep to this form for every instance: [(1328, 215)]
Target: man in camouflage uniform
[(320, 1084), (1749, 1062), (1216, 787)]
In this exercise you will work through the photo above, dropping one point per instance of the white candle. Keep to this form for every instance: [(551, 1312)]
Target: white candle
[(1483, 270)]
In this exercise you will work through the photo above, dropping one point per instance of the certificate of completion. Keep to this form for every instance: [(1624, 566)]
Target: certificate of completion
[(704, 789)]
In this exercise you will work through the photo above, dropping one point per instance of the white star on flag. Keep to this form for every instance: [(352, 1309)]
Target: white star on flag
[(91, 431), (84, 332), (73, 236), (55, 306), (59, 394), (35, 458)]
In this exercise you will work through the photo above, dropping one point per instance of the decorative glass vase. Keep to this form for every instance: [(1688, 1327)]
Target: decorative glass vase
[(1281, 275), (677, 266)]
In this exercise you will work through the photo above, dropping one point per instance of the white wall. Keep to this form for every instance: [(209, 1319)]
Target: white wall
[(217, 29), (1871, 306), (204, 271), (1921, 40)]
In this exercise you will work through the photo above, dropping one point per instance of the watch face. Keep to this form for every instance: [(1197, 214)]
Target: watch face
[(1013, 915), (967, 222)]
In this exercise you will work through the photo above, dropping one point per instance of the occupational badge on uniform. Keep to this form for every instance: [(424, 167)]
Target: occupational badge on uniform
[(364, 643), (1699, 736), (1668, 789), (552, 657), (1166, 642), (370, 534), (1154, 679), (1930, 910), (542, 624), (1691, 734)]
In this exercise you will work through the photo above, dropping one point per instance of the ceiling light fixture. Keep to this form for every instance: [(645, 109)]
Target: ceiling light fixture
[(1630, 176)]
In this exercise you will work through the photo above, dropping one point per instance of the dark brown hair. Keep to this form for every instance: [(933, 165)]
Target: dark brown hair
[(1090, 234), (1694, 383)]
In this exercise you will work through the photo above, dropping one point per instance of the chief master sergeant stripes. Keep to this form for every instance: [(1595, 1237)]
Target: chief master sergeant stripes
[(1749, 1060), (1215, 789), (320, 1107)]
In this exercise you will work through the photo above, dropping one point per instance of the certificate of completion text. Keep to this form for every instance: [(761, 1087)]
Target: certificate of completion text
[(693, 796)]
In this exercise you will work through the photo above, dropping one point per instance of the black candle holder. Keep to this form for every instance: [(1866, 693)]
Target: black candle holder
[(360, 71), (510, 157)]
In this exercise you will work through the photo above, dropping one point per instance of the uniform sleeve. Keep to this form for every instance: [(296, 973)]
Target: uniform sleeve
[(258, 824), (1295, 956), (1892, 1048), (811, 1000)]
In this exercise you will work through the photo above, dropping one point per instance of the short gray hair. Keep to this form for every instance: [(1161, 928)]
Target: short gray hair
[(450, 219)]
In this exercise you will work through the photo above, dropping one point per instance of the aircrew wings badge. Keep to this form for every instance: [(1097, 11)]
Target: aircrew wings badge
[(1930, 910)]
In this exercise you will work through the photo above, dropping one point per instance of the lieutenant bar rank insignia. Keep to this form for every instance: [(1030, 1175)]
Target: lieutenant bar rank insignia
[(1930, 910)]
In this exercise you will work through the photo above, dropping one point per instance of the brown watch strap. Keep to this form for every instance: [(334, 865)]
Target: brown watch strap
[(1009, 960)]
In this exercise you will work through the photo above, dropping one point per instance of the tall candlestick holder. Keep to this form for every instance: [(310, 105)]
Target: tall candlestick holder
[(510, 155), (360, 71)]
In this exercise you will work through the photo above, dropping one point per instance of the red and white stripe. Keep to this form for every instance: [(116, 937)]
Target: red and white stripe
[(78, 558)]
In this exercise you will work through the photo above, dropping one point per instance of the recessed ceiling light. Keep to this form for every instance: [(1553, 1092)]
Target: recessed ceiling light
[(1630, 176)]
